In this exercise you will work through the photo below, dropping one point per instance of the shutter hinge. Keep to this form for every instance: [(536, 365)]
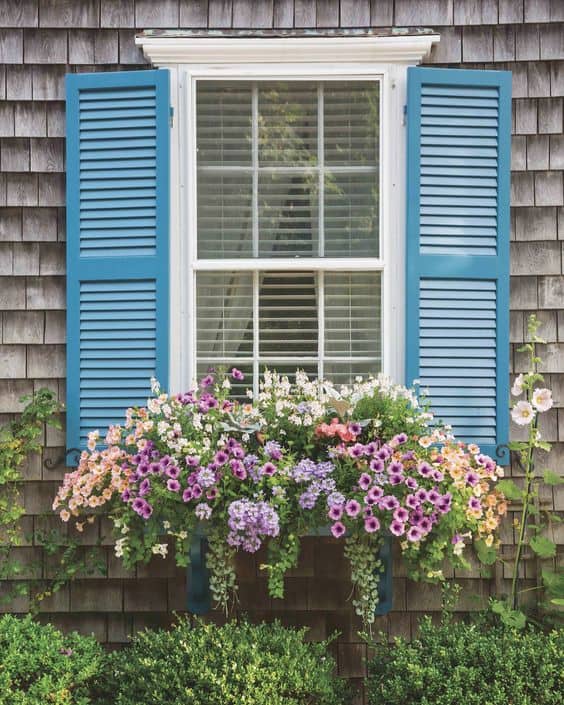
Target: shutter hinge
[(171, 115), (404, 120)]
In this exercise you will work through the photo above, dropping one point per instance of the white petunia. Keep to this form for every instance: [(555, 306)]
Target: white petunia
[(517, 388), (542, 399), (522, 413)]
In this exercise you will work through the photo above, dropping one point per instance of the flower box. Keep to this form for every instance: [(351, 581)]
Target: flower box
[(198, 597)]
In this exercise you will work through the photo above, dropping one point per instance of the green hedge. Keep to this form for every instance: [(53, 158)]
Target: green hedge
[(236, 664), (469, 664), (41, 666)]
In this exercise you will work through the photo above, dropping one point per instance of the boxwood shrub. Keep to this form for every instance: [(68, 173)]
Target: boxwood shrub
[(41, 666), (469, 664), (235, 664)]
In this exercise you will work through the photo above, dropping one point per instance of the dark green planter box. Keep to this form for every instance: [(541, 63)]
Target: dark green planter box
[(199, 596)]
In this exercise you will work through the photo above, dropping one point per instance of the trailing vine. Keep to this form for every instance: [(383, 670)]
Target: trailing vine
[(19, 439), (366, 569)]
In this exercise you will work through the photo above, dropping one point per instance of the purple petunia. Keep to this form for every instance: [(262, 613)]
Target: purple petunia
[(377, 465), (401, 514), (364, 481), (371, 525), (237, 374), (173, 485), (352, 508), (187, 495), (338, 529), (335, 512), (268, 469), (397, 528), (389, 502), (414, 534), (144, 487)]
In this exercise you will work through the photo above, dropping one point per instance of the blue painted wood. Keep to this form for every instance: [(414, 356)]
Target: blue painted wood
[(117, 244), (457, 335)]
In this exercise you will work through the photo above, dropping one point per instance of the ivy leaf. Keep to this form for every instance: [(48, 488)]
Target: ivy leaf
[(552, 478), (486, 554), (511, 618), (510, 489), (543, 547), (558, 601)]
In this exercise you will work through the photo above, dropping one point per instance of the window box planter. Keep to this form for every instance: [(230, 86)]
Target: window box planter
[(198, 585)]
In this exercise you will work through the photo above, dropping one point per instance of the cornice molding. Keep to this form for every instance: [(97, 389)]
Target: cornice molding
[(407, 49)]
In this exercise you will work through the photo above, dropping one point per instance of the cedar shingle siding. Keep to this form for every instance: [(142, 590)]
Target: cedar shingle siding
[(41, 40)]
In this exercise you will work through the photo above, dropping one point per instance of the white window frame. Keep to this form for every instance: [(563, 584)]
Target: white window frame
[(305, 58)]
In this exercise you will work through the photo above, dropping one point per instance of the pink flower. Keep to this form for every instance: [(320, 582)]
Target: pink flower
[(371, 524), (338, 529), (352, 508), (336, 512)]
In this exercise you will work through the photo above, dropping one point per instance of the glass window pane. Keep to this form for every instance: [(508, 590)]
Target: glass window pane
[(288, 322), (224, 306), (287, 123), (353, 314), (351, 215), (346, 372), (351, 123), (223, 123), (224, 215), (288, 218)]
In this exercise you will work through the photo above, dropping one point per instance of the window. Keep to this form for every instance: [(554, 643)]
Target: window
[(288, 267), (274, 221)]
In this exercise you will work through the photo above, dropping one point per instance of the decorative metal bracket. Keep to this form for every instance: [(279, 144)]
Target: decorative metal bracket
[(199, 597), (50, 464)]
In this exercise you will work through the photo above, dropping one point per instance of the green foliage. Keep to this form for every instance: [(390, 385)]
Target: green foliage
[(390, 415), (236, 664), (469, 664), (18, 439), (41, 666)]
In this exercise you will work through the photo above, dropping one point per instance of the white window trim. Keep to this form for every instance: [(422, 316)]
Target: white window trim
[(315, 58)]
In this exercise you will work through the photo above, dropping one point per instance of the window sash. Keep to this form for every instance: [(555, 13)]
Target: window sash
[(184, 265)]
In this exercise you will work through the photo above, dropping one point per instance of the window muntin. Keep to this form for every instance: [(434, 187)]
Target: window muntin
[(288, 170)]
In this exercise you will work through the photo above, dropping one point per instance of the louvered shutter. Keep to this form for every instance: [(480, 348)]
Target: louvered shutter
[(117, 244), (459, 125)]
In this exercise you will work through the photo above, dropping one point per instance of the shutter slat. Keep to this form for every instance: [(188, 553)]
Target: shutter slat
[(117, 196), (457, 235)]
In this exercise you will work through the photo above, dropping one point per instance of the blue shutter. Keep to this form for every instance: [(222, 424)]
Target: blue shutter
[(459, 125), (117, 244)]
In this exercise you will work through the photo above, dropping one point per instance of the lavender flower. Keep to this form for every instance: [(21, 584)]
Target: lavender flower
[(250, 521), (335, 499), (203, 511), (273, 450), (206, 477)]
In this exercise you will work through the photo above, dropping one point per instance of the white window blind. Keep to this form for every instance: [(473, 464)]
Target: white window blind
[(288, 171)]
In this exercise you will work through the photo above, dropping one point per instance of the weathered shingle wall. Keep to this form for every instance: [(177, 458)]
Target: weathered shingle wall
[(41, 40)]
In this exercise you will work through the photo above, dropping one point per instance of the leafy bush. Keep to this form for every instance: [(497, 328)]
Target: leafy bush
[(469, 664), (237, 664), (41, 666)]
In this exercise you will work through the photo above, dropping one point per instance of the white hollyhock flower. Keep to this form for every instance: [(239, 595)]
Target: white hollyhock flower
[(517, 387), (542, 399), (522, 413)]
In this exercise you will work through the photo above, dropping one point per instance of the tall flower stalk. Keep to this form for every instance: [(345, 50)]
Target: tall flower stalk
[(532, 399)]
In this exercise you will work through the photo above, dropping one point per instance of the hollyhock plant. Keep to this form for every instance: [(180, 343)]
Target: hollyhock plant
[(365, 460)]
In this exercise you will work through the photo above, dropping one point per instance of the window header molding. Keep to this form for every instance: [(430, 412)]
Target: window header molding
[(406, 49)]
